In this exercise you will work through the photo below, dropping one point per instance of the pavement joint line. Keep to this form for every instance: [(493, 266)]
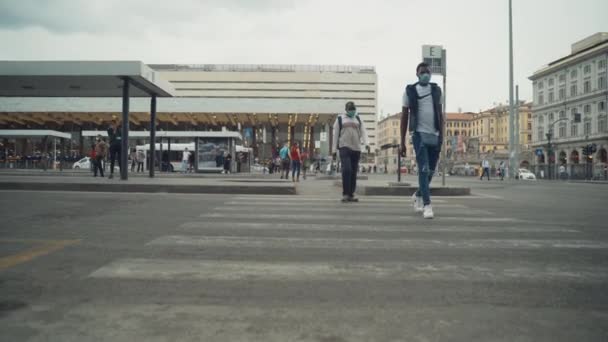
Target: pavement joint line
[(43, 247)]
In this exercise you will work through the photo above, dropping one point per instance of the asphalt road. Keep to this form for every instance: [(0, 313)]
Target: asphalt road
[(514, 262)]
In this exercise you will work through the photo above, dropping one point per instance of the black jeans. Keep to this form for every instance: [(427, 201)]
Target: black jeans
[(98, 165), (114, 154), (140, 166), (486, 172), (350, 166)]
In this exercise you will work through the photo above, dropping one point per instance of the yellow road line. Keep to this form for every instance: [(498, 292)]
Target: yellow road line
[(45, 247)]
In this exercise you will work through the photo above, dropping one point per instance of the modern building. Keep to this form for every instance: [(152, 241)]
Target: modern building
[(573, 84), (268, 104)]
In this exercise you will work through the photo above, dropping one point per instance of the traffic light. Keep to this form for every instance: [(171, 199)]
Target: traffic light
[(586, 150)]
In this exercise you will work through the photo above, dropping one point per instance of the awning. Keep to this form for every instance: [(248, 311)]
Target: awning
[(33, 133)]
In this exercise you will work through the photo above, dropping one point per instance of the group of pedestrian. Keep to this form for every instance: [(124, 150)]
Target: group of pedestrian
[(293, 159), (421, 119), (486, 167)]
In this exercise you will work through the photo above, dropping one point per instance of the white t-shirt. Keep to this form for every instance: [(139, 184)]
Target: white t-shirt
[(426, 112), (485, 163), (186, 156)]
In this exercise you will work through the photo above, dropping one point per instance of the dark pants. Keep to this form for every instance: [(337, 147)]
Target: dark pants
[(486, 172), (140, 166), (350, 166), (295, 168), (285, 168), (114, 154), (98, 165), (426, 158)]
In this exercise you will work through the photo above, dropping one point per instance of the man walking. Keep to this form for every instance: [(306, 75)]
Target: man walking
[(350, 134), (115, 135), (185, 160), (101, 151), (284, 155), (422, 109), (485, 165)]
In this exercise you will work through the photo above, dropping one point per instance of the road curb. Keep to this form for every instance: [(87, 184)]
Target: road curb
[(368, 190), (151, 188)]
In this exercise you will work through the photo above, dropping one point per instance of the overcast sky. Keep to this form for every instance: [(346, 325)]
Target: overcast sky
[(385, 33)]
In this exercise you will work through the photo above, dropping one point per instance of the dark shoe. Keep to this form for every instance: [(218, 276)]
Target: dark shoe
[(345, 199)]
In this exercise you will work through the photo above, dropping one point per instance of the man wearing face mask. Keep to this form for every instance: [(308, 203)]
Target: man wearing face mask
[(350, 134), (422, 109)]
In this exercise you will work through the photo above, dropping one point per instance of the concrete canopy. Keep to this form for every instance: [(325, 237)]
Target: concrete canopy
[(79, 79)]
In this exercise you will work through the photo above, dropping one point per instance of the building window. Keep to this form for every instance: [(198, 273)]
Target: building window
[(587, 128), (562, 114), (529, 137), (529, 116), (541, 135), (529, 126), (587, 69), (573, 73), (587, 109), (601, 64), (601, 106), (551, 98), (574, 130), (573, 90), (562, 93), (551, 117), (601, 82), (601, 124), (551, 82), (562, 131), (492, 130), (587, 86), (541, 99), (562, 78), (541, 85)]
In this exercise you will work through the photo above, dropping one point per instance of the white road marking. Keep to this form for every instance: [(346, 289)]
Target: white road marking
[(362, 243), (356, 217), (163, 269), (367, 227)]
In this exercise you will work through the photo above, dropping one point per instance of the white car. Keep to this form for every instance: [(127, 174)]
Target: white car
[(84, 163), (525, 174)]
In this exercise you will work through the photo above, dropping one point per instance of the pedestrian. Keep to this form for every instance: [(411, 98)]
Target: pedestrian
[(485, 166), (141, 158), (115, 135), (93, 160), (133, 157), (375, 169), (295, 155), (422, 109), (101, 151), (350, 134), (185, 159), (501, 170), (227, 163), (284, 155), (191, 162)]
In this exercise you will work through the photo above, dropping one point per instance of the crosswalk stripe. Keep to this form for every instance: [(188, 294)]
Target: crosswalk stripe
[(296, 199), (337, 210), (337, 204), (368, 227), (164, 269), (362, 243), (354, 217)]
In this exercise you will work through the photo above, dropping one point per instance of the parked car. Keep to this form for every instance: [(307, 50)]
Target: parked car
[(84, 163), (525, 174)]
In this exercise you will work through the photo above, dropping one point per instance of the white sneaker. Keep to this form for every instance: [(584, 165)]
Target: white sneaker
[(417, 203), (428, 212)]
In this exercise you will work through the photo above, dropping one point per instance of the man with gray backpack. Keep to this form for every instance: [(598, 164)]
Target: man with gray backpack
[(350, 134)]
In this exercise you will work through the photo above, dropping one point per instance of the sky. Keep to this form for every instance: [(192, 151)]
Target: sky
[(387, 34)]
